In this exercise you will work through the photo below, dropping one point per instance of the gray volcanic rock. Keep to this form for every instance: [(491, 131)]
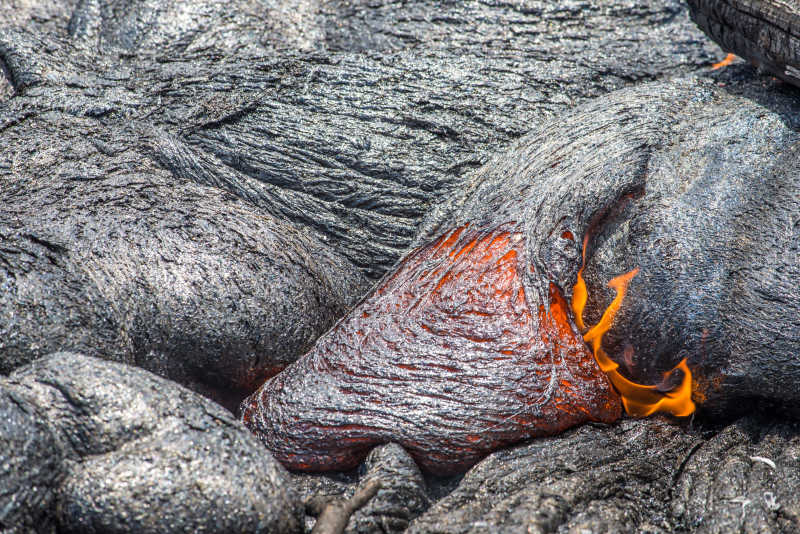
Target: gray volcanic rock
[(42, 16), (518, 55), (374, 141), (637, 476), (358, 148), (39, 16), (714, 233), (146, 455), (6, 88), (164, 198), (105, 253), (598, 479), (744, 479), (30, 466), (533, 35), (633, 39), (169, 27), (402, 497)]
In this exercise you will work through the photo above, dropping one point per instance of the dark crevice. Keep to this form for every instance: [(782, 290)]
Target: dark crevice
[(682, 467), (612, 211), (7, 88), (52, 247), (226, 119)]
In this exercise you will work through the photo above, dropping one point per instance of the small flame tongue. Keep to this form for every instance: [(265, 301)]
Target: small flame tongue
[(639, 400)]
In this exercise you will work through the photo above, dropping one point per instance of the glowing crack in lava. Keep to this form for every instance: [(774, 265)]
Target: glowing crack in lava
[(638, 400)]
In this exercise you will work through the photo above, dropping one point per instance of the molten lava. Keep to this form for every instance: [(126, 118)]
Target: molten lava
[(729, 59), (449, 357), (638, 400)]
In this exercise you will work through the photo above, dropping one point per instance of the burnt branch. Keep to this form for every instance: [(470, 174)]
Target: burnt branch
[(336, 514)]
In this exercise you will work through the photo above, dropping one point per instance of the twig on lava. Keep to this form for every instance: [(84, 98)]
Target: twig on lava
[(765, 461), (334, 515)]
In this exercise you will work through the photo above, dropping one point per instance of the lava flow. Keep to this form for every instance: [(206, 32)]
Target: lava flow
[(637, 399)]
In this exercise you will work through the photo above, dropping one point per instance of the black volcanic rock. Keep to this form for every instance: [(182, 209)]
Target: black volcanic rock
[(127, 451)]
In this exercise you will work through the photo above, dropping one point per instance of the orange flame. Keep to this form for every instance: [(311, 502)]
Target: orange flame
[(638, 400), (579, 293), (729, 59)]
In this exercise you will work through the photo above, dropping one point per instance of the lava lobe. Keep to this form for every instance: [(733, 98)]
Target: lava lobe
[(448, 357)]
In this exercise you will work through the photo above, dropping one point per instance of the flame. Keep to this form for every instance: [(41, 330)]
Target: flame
[(579, 293), (730, 58), (638, 400)]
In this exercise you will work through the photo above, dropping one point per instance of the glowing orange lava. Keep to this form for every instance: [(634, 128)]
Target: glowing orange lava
[(638, 400), (730, 58)]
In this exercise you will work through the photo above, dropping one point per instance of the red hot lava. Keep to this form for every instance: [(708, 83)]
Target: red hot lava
[(452, 356)]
